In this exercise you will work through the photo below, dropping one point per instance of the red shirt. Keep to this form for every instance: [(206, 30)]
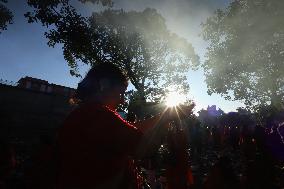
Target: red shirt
[(94, 148)]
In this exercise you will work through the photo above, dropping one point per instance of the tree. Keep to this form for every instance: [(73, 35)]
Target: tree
[(246, 52), (138, 42), (210, 116), (6, 16)]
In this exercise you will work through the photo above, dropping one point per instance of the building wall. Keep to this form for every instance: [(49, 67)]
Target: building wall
[(28, 114)]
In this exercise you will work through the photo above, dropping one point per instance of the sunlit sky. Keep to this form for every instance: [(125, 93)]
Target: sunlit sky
[(24, 52)]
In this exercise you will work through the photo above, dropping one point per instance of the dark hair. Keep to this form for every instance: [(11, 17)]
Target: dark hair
[(90, 84)]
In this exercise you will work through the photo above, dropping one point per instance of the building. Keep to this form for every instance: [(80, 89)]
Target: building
[(33, 108), (43, 86)]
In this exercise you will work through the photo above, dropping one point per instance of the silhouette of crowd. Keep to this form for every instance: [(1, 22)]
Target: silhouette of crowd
[(219, 156)]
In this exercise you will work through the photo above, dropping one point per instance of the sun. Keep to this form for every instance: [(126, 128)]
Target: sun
[(174, 99)]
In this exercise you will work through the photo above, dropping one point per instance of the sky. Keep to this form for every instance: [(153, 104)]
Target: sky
[(24, 50)]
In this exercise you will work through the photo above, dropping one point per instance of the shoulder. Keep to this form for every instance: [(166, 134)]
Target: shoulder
[(83, 115), (86, 110), (119, 120)]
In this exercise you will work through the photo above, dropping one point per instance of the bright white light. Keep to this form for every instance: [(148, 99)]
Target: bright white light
[(174, 98)]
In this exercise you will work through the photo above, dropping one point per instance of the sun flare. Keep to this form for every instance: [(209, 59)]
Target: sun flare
[(174, 99)]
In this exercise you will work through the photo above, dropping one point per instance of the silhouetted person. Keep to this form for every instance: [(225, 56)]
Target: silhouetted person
[(179, 175), (95, 143)]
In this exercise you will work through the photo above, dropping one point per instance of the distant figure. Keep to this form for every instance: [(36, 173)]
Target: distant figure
[(95, 144), (178, 171)]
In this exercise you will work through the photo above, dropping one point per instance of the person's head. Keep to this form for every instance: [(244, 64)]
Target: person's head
[(105, 83)]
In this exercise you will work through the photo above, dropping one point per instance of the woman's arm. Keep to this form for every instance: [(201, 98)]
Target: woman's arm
[(150, 123), (175, 113)]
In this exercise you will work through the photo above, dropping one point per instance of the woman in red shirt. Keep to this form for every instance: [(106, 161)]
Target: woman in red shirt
[(95, 144)]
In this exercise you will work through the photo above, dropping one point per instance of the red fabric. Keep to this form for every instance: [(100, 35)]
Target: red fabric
[(94, 148)]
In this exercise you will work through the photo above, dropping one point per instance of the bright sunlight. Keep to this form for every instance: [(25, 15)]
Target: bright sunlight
[(174, 99)]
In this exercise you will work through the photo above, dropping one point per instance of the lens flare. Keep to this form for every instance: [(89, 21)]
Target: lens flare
[(174, 99)]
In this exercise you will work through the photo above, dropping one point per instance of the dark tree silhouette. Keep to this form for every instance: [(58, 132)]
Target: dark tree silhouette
[(6, 16), (138, 42), (210, 116), (246, 52)]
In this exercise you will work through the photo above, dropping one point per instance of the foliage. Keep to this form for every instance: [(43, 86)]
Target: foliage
[(210, 116), (138, 42), (213, 117), (265, 114), (246, 52), (237, 119), (6, 16)]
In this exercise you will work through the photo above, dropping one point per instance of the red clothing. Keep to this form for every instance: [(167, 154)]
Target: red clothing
[(94, 148)]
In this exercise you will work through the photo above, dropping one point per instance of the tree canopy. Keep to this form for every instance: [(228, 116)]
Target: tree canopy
[(138, 42), (245, 56), (6, 16)]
